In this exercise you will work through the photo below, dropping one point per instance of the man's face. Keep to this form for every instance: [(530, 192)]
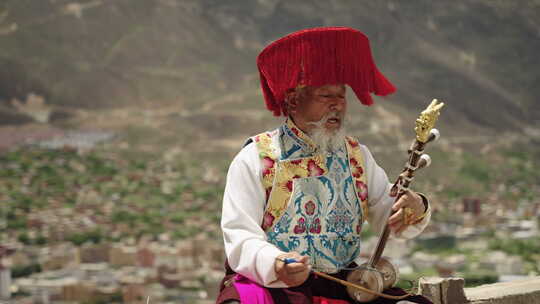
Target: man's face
[(317, 102)]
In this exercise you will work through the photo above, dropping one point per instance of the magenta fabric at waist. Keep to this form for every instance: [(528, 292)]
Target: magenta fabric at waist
[(251, 292), (316, 290)]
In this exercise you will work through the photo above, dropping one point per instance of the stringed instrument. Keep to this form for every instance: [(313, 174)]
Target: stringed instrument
[(379, 273)]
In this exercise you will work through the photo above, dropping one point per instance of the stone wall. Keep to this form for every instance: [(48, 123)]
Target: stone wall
[(451, 291)]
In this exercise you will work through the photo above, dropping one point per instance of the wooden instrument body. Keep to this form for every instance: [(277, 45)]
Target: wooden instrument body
[(369, 278), (383, 276)]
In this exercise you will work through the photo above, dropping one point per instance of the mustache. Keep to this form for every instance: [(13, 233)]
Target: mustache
[(331, 115)]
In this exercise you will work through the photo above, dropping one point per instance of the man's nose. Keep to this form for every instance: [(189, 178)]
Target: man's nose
[(337, 104)]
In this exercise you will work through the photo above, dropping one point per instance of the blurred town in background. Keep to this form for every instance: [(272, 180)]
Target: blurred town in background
[(118, 120)]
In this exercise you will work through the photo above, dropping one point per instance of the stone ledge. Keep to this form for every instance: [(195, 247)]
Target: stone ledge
[(516, 292), (451, 291)]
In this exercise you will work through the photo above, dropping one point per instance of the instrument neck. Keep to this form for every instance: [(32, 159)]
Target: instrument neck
[(400, 187)]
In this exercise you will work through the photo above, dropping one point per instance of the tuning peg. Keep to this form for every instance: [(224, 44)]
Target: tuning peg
[(434, 135), (425, 161)]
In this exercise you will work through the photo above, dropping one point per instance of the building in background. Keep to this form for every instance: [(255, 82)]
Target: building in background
[(5, 272)]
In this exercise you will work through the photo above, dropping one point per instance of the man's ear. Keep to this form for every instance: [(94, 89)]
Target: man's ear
[(291, 100)]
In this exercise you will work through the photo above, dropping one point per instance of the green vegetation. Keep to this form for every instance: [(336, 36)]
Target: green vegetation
[(528, 249), (151, 196), (37, 240), (408, 280), (477, 278), (23, 238), (509, 176), (517, 170), (23, 271), (445, 245), (94, 236)]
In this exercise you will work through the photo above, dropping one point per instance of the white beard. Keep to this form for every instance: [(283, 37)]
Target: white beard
[(328, 140)]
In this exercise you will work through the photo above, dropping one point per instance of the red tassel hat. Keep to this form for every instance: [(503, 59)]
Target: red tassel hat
[(317, 57)]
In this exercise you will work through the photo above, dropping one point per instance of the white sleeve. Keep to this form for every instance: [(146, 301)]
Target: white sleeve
[(380, 202), (246, 246)]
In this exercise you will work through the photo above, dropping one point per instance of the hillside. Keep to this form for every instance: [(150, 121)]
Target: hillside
[(166, 74)]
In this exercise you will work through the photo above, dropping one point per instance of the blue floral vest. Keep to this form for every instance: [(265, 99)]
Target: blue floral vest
[(315, 204)]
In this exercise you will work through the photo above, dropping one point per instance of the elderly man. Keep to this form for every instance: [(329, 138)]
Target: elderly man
[(296, 197)]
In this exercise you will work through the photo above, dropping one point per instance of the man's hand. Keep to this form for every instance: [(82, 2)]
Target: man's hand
[(408, 200), (292, 274)]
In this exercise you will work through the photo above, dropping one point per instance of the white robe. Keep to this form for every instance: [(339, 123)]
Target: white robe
[(246, 246)]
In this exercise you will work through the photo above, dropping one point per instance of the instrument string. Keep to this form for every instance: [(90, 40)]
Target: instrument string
[(349, 284)]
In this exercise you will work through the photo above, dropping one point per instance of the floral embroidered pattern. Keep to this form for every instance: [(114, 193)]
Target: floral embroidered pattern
[(279, 188), (278, 199), (315, 227), (287, 172), (289, 184), (295, 131), (340, 220), (353, 143), (356, 168), (268, 220), (268, 159), (356, 160), (268, 165), (316, 203), (301, 137), (362, 190), (296, 162), (301, 226), (314, 169), (310, 207)]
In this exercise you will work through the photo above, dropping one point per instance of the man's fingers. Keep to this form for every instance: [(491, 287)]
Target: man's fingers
[(303, 259), (301, 266), (301, 276), (292, 268), (296, 267), (396, 217), (400, 228), (401, 202), (290, 257), (297, 278)]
